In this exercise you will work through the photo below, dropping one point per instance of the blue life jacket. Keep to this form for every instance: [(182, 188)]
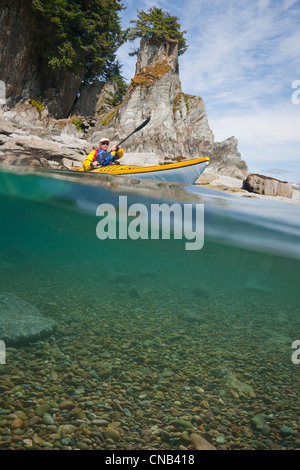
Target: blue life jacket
[(103, 158)]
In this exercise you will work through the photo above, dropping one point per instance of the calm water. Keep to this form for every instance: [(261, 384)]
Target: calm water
[(162, 317)]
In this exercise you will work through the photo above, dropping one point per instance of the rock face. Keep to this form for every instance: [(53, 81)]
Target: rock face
[(179, 125), (226, 159), (25, 75), (267, 186), (21, 322), (93, 100), (30, 138), (178, 129)]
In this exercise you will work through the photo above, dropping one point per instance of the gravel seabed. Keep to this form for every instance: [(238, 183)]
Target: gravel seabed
[(148, 375)]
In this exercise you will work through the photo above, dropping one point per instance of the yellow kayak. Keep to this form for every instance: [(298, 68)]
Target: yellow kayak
[(186, 172)]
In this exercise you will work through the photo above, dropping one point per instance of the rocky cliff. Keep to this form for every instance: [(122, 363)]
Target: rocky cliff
[(31, 137), (23, 73), (179, 127)]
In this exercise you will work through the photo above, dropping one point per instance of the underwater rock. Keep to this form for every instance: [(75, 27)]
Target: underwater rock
[(237, 387), (200, 443), (201, 291), (258, 421), (21, 322), (259, 287), (286, 431), (192, 316), (134, 293)]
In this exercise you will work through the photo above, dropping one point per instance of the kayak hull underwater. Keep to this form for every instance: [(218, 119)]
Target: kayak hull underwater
[(186, 172)]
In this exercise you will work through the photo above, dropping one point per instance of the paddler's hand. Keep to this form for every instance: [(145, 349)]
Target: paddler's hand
[(114, 148), (94, 164)]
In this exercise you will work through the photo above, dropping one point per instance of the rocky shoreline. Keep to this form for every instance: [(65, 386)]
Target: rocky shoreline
[(28, 138), (32, 135), (236, 186), (179, 127)]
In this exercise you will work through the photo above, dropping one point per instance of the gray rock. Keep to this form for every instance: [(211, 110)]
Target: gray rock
[(180, 423), (93, 100), (238, 387), (258, 421), (226, 159), (36, 152), (30, 136), (47, 419), (179, 126), (267, 186), (69, 164), (21, 322), (22, 71), (30, 139), (192, 315), (6, 127), (286, 431), (220, 439), (127, 412), (178, 130), (266, 430), (258, 445), (42, 409)]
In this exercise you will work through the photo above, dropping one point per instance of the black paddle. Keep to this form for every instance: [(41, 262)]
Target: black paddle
[(136, 130)]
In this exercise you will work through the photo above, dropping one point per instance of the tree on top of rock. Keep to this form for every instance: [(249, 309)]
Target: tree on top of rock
[(157, 26)]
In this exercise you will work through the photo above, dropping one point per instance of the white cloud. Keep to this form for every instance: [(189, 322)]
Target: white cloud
[(289, 3), (241, 44), (271, 126)]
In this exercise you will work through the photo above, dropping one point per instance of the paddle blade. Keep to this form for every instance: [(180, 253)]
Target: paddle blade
[(143, 125), (135, 130)]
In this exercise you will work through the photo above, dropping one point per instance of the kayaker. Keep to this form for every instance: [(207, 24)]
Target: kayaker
[(101, 156)]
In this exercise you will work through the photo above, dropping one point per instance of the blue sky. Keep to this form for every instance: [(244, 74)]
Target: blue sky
[(244, 60)]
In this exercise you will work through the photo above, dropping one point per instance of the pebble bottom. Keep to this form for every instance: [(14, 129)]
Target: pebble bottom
[(144, 379)]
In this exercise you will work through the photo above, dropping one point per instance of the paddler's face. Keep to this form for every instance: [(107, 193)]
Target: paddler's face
[(103, 145)]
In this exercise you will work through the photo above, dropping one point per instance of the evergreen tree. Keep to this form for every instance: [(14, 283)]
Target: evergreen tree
[(158, 26), (76, 34)]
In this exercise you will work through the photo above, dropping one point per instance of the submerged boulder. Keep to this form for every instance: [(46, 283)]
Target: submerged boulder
[(21, 322), (234, 385)]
